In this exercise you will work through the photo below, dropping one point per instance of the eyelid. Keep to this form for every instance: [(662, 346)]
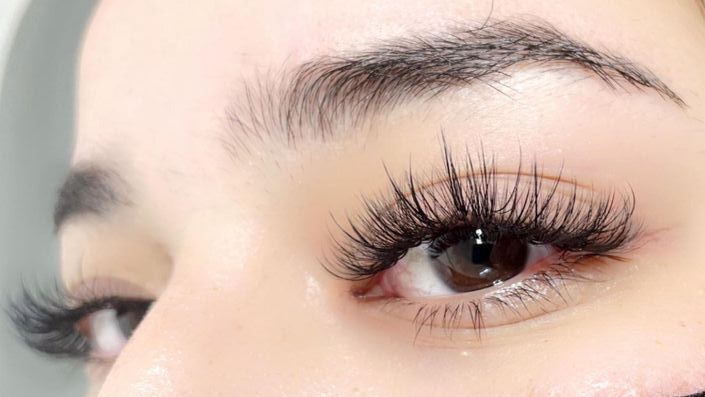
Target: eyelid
[(588, 226), (559, 178), (480, 312), (98, 287), (562, 212)]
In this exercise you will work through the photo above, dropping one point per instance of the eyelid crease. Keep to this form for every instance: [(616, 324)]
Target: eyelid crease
[(554, 178)]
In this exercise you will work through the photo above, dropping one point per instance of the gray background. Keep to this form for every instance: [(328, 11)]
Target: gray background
[(36, 123)]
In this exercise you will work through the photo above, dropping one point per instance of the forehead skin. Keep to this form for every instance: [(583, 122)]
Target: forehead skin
[(156, 79), (192, 65)]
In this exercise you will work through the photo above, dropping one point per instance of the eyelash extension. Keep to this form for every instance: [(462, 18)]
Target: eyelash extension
[(48, 321), (585, 224)]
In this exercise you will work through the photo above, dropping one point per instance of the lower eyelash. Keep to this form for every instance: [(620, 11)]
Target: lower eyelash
[(540, 289)]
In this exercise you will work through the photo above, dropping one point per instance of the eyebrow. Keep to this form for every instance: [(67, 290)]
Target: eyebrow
[(87, 190), (316, 97)]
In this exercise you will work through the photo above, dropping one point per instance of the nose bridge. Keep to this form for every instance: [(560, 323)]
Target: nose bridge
[(253, 330)]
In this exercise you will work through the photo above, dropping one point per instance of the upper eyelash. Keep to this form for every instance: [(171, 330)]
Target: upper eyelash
[(47, 320), (588, 224), (376, 240)]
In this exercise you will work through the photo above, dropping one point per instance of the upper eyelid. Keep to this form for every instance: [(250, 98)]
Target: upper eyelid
[(558, 179), (106, 287), (506, 172), (406, 188), (606, 215)]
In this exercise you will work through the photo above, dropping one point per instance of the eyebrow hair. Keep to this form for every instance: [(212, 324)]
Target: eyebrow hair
[(87, 190), (319, 95)]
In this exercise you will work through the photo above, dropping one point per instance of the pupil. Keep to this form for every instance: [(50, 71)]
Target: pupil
[(481, 253), (478, 262)]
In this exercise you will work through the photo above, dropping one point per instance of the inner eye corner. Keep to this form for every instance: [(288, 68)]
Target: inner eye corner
[(368, 289)]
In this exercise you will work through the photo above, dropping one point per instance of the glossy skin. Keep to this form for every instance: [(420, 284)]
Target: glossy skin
[(228, 243)]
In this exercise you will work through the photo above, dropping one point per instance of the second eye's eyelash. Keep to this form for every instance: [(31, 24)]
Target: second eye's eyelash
[(559, 212), (48, 321)]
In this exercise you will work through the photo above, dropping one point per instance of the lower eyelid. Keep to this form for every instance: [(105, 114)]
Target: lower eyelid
[(535, 295)]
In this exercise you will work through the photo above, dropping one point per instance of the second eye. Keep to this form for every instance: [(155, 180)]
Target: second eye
[(107, 330)]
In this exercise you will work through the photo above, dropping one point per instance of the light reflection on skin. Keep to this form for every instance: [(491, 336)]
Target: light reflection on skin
[(231, 244), (156, 380)]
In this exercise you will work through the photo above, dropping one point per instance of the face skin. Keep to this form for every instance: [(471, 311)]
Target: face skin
[(224, 226)]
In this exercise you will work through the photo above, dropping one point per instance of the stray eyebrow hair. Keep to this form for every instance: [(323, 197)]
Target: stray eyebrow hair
[(332, 90), (87, 190)]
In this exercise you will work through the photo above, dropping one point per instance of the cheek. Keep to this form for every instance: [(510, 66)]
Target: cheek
[(657, 360), (604, 377)]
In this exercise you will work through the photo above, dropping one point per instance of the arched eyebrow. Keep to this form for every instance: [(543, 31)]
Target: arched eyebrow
[(316, 97)]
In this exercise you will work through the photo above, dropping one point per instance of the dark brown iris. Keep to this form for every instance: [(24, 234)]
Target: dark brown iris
[(477, 262)]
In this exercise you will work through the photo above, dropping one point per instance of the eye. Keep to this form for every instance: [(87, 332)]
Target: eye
[(108, 330), (464, 260), (474, 248)]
